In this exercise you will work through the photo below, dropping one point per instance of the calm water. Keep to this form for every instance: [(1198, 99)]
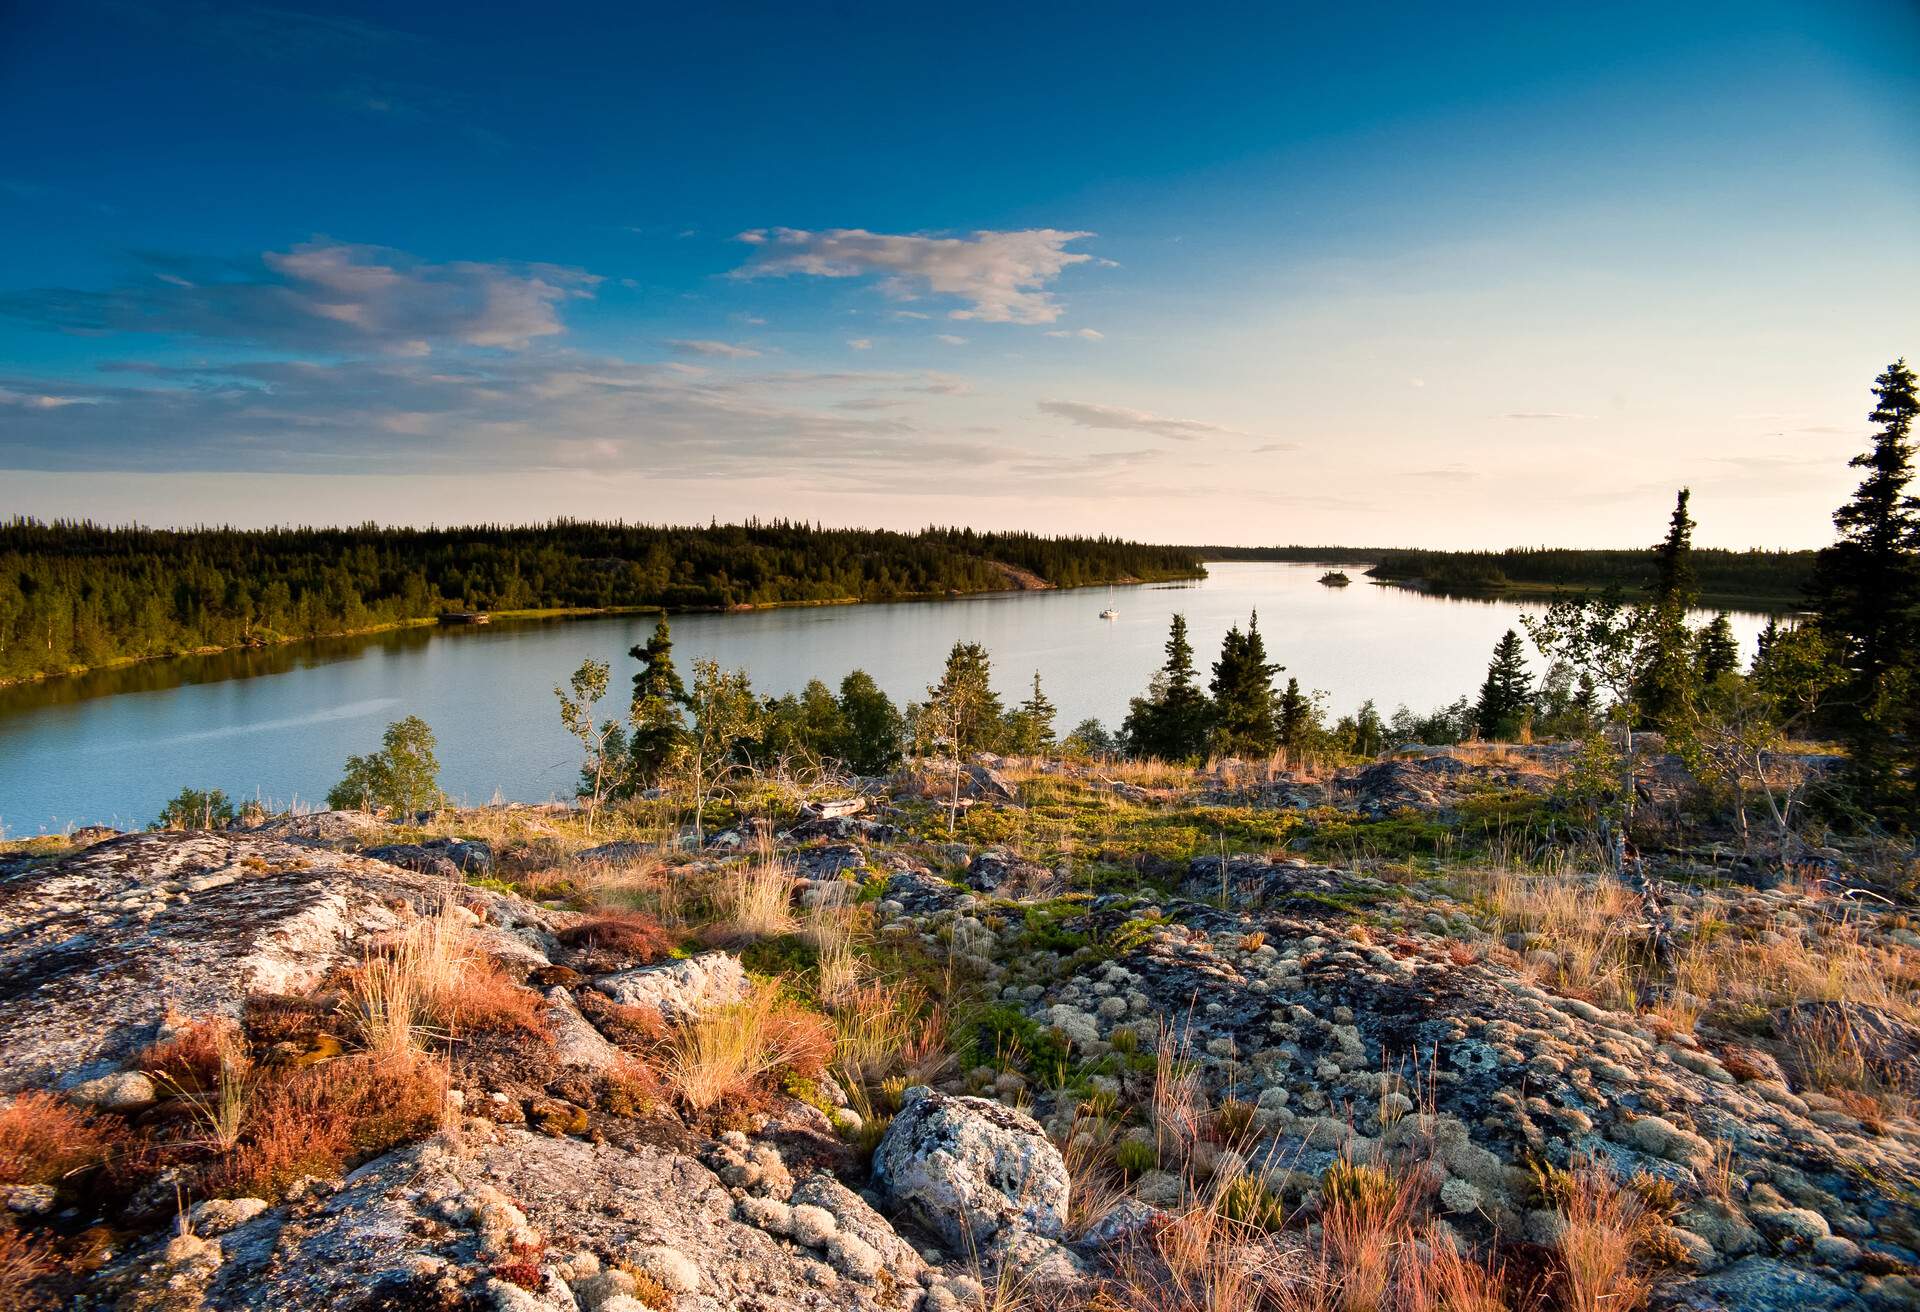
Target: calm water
[(113, 747)]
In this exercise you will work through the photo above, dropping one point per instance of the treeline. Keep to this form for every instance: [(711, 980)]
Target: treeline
[(75, 594), (1727, 575)]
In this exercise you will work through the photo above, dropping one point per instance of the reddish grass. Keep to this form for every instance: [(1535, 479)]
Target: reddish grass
[(484, 998), (633, 934), (21, 1263), (193, 1058), (317, 1120), (44, 1139)]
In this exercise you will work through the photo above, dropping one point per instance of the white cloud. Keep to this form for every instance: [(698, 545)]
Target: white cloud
[(1543, 414), (42, 400), (1086, 334), (1090, 415), (707, 346), (860, 343), (950, 339), (1002, 276), (326, 296)]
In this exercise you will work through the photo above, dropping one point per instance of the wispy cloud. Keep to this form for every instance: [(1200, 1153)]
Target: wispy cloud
[(950, 339), (707, 346), (860, 343), (1002, 276), (1088, 414), (321, 296), (1542, 414), (1085, 334)]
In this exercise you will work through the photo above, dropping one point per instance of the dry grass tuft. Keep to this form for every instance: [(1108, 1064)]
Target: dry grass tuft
[(755, 899), (728, 1054), (430, 981), (22, 1262), (1606, 1226)]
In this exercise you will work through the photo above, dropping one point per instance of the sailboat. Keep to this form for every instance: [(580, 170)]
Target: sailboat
[(1109, 613)]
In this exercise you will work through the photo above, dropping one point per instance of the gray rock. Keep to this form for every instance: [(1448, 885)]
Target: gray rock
[(97, 949), (968, 1170), (1761, 1284), (680, 990)]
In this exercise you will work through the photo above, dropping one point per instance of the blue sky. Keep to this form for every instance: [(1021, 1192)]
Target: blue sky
[(1413, 273)]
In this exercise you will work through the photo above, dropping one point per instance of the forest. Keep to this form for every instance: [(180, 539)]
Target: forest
[(75, 595), (1766, 577)]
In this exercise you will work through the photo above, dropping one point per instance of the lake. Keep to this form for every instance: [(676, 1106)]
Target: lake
[(114, 746)]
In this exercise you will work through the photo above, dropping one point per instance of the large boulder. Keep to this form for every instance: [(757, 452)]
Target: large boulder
[(98, 949), (680, 990), (978, 1174)]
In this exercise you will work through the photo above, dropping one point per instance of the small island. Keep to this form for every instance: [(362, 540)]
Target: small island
[(1334, 578)]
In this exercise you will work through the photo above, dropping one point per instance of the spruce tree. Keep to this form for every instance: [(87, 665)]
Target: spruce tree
[(1506, 698), (1667, 670), (1171, 721), (965, 706), (1295, 717), (1032, 722), (1864, 591), (872, 726), (658, 700), (1718, 652), (1243, 702)]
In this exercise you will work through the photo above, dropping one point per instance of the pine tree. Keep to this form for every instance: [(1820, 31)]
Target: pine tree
[(1171, 721), (1864, 592), (1506, 698), (1032, 723), (658, 700), (1667, 670), (1243, 702)]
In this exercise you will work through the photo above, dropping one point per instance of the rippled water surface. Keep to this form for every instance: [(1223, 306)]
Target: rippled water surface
[(114, 746)]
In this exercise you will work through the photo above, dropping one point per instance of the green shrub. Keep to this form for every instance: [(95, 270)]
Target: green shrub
[(194, 809), (1134, 1157), (1249, 1201)]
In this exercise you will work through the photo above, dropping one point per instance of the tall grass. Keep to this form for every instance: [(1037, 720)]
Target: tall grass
[(726, 1053)]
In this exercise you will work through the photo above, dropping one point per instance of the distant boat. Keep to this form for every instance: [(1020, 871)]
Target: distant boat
[(1333, 578), (1109, 614), (464, 617)]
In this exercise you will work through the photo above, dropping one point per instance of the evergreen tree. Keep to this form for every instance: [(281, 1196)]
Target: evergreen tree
[(1031, 725), (964, 709), (1296, 718), (658, 700), (1243, 701), (1505, 707), (1864, 592), (1718, 653), (871, 725), (1171, 721), (1667, 669)]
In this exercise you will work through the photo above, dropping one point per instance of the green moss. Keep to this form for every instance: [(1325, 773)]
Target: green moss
[(1007, 1037), (779, 958)]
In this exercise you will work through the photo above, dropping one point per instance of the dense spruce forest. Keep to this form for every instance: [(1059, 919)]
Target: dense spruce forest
[(1779, 576), (1772, 577), (76, 595)]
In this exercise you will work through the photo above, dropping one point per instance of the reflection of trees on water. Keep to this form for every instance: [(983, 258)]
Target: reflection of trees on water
[(183, 671)]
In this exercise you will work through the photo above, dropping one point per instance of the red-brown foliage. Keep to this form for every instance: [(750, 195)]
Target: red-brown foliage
[(44, 1139), (318, 1119), (632, 934)]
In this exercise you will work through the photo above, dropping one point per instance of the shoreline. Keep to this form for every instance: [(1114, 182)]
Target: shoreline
[(568, 612)]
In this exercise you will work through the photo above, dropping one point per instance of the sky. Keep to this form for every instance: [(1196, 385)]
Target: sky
[(1410, 274)]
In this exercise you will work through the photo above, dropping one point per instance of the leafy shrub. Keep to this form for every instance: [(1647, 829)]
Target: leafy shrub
[(402, 777), (194, 809)]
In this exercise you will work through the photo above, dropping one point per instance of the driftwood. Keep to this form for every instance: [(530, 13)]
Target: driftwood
[(833, 810)]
